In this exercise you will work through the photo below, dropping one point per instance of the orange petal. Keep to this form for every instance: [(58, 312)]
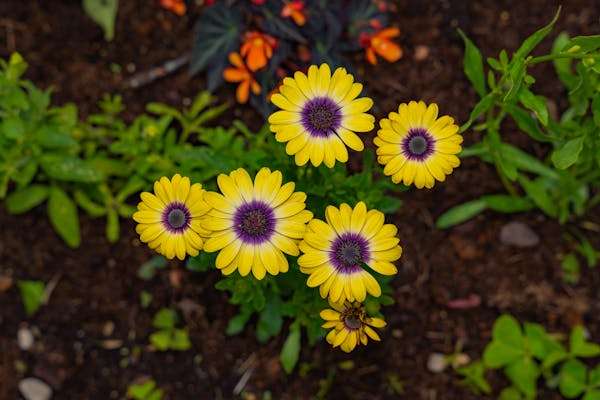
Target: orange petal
[(371, 57), (242, 92), (256, 59), (255, 87), (236, 59), (388, 33), (234, 75), (298, 18), (389, 50)]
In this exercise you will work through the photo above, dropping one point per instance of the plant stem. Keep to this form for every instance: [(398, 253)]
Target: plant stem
[(551, 57)]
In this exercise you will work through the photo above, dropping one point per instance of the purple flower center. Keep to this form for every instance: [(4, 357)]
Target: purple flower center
[(321, 116), (418, 145), (353, 318), (254, 222), (176, 217), (349, 252)]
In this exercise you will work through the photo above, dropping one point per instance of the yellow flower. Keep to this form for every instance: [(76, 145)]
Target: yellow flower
[(253, 224), (320, 114), (351, 325), (169, 219), (336, 252), (416, 146)]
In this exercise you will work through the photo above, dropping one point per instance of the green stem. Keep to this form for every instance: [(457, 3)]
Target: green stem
[(558, 56)]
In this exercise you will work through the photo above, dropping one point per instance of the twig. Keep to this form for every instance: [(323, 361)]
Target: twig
[(147, 77)]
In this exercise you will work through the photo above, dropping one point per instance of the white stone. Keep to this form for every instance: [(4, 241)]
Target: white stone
[(25, 339), (35, 389)]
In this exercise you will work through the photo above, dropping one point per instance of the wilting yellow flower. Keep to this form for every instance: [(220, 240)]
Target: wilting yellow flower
[(253, 224), (169, 219), (351, 325), (320, 114), (337, 252), (416, 146)]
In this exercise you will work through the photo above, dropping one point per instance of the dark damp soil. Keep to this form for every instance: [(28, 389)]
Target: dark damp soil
[(95, 305)]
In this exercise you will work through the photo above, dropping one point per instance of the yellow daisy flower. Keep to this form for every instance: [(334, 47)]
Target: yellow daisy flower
[(320, 114), (169, 219), (416, 146), (336, 252), (253, 224), (351, 325)]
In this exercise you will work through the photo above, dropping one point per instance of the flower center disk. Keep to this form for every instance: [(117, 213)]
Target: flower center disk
[(349, 252), (176, 217), (418, 144), (321, 116), (254, 222)]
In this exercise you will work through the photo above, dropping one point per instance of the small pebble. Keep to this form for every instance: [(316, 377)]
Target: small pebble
[(518, 234), (25, 339), (6, 283), (421, 53), (35, 389), (108, 328), (437, 362)]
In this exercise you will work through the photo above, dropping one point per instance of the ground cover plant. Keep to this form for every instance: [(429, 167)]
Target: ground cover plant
[(162, 242)]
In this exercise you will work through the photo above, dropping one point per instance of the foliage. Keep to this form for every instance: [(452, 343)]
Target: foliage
[(47, 155), (563, 182), (104, 13), (147, 390), (33, 294), (318, 31), (526, 353), (168, 336)]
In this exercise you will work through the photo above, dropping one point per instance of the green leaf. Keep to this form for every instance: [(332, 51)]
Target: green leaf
[(481, 107), (532, 41), (237, 323), (516, 74), (94, 210), (507, 344), (593, 394), (202, 262), (25, 199), (473, 65), (523, 373), (161, 340), (526, 123), (50, 137), (537, 104), (568, 154), (553, 358), (165, 318), (63, 216), (16, 67), (570, 268), (270, 320), (180, 340), (586, 44), (461, 213), (69, 168), (474, 377), (579, 346), (33, 294), (526, 162), (104, 13), (510, 393), (507, 204), (12, 128), (290, 352), (537, 192), (596, 109), (572, 381), (563, 65), (141, 391)]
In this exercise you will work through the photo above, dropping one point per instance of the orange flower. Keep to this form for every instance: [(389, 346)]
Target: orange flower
[(240, 73), (295, 10), (257, 49), (380, 43), (175, 6)]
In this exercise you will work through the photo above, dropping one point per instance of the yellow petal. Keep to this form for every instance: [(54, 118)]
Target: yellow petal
[(284, 103), (284, 117), (330, 315), (358, 106), (218, 242), (245, 259), (359, 122), (358, 218), (227, 254), (152, 201), (350, 139)]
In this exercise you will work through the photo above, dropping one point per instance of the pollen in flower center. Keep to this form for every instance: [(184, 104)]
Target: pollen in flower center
[(418, 144), (176, 217), (321, 116), (254, 222), (353, 317), (349, 252)]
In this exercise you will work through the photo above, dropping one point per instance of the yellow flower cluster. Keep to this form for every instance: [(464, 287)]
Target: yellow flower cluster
[(254, 222)]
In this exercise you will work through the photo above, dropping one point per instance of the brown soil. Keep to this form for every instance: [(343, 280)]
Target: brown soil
[(97, 284)]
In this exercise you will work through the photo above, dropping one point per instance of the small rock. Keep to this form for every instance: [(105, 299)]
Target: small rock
[(35, 389), (437, 362), (112, 344), (6, 283), (108, 328), (518, 234), (25, 339), (421, 53)]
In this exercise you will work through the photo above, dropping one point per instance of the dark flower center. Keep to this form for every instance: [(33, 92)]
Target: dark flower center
[(176, 217), (418, 144), (353, 317), (254, 222), (349, 252), (321, 116)]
